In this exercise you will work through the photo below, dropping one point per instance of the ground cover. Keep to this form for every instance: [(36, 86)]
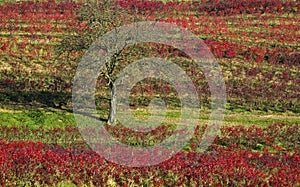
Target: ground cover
[(257, 47)]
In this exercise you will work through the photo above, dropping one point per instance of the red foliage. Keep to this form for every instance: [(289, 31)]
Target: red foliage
[(226, 162)]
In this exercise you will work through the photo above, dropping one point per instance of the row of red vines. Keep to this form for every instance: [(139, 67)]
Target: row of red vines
[(31, 163), (220, 48), (216, 7)]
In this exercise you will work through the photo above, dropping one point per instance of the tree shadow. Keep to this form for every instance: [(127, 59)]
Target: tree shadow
[(44, 101), (35, 99)]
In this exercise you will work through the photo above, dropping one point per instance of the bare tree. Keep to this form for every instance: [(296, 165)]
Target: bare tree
[(99, 17)]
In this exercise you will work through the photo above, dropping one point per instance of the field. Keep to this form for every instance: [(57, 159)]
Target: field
[(256, 45)]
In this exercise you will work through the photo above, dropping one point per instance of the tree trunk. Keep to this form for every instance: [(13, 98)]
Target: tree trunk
[(113, 102)]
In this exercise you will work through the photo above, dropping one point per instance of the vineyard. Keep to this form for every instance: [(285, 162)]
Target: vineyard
[(256, 44)]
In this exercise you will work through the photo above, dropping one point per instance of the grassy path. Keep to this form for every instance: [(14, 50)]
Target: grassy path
[(61, 119)]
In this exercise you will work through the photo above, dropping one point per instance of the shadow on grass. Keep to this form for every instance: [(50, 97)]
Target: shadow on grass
[(44, 101)]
